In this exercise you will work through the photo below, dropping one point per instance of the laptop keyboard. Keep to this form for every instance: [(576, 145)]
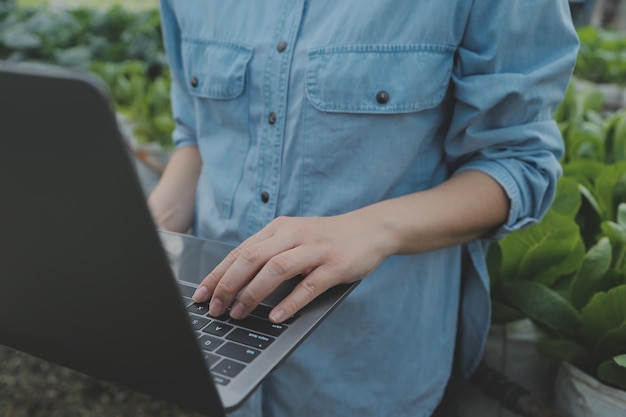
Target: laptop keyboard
[(229, 345)]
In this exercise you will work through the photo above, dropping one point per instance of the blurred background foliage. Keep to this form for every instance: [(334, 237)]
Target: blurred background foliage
[(120, 45)]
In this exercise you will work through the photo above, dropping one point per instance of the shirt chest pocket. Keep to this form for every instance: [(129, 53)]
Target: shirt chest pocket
[(215, 74), (213, 69), (378, 79)]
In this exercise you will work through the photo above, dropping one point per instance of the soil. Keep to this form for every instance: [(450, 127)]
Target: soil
[(31, 387)]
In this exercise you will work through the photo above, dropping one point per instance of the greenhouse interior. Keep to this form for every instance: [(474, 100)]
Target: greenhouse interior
[(557, 341)]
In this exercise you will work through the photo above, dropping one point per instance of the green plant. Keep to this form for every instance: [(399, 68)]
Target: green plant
[(595, 156), (580, 300), (124, 48), (144, 100), (601, 58), (568, 272)]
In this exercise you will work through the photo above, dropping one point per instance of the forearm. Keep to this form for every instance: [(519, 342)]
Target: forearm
[(348, 247), (172, 201), (463, 208)]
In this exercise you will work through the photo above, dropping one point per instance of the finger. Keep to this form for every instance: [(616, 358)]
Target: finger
[(206, 288), (250, 261), (208, 284), (278, 269), (314, 284)]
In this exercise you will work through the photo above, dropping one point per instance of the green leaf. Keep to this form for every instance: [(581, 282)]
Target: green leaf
[(563, 349), (542, 251), (594, 125), (606, 311), (17, 37), (567, 200), (585, 145), (587, 280), (502, 313), (592, 100), (614, 231), (583, 170), (565, 268), (621, 214), (610, 344), (613, 278), (563, 111), (613, 372), (543, 305), (591, 199), (78, 57), (610, 189), (616, 138), (58, 28)]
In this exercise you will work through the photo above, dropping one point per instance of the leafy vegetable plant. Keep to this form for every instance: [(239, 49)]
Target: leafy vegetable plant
[(568, 272), (602, 56)]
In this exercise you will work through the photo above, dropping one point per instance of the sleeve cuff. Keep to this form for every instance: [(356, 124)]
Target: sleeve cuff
[(516, 219)]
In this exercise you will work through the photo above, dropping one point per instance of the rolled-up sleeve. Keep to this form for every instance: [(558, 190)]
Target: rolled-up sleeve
[(511, 72), (182, 103)]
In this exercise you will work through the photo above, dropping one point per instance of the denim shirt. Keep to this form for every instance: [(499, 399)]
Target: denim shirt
[(315, 108)]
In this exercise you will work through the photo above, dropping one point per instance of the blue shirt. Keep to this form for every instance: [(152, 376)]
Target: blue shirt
[(314, 108)]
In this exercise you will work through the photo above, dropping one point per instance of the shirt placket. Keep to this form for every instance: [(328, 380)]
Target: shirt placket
[(275, 91)]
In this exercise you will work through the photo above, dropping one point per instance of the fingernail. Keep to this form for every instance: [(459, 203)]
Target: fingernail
[(201, 294), (237, 311), (215, 308), (277, 316)]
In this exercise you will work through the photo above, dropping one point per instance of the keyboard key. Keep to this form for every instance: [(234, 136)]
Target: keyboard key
[(263, 311), (224, 317), (210, 358), (228, 368), (249, 338), (260, 325), (217, 329), (198, 322), (238, 352), (186, 290), (209, 343), (198, 308), (220, 379)]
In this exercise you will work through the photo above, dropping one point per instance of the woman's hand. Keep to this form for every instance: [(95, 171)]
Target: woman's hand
[(327, 250)]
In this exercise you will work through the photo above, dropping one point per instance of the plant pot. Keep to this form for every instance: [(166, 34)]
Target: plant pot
[(511, 350), (579, 395)]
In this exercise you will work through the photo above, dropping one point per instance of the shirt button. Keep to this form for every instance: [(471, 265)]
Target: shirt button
[(194, 82), (281, 46), (272, 118), (265, 196), (382, 97)]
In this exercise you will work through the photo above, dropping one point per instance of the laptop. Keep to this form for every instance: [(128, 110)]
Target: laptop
[(86, 279)]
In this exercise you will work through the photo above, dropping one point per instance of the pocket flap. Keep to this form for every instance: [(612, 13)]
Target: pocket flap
[(378, 78), (215, 70)]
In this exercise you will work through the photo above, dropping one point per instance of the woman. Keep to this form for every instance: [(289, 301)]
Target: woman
[(388, 142)]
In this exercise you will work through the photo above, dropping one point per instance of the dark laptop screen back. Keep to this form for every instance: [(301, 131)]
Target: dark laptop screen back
[(72, 216)]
